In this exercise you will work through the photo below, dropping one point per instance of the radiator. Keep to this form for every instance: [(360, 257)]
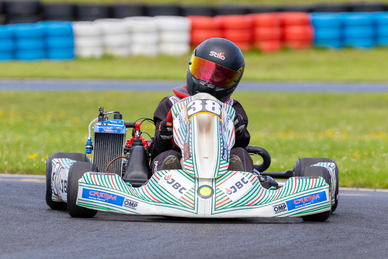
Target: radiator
[(108, 146)]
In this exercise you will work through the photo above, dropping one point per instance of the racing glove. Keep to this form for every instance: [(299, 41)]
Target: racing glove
[(239, 124), (165, 130)]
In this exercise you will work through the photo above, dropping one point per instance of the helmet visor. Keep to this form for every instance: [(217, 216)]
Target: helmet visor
[(215, 74)]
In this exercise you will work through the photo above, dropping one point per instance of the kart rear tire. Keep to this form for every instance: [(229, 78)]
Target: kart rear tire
[(75, 173), (323, 172), (305, 162), (48, 191)]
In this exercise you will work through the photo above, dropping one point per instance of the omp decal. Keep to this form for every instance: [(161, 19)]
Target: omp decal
[(236, 186), (280, 208), (306, 200), (130, 204), (102, 196), (175, 183)]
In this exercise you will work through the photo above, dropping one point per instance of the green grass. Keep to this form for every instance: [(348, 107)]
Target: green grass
[(344, 65), (350, 128)]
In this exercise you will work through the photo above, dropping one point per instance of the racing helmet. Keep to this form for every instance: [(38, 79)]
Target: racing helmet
[(216, 67)]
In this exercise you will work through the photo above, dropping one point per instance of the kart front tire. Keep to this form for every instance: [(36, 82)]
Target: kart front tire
[(305, 162), (48, 190), (75, 173), (322, 172)]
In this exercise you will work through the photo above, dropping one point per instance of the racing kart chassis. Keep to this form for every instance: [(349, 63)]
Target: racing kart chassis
[(203, 187)]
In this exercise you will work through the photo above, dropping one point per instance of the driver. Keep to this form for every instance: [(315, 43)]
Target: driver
[(216, 67)]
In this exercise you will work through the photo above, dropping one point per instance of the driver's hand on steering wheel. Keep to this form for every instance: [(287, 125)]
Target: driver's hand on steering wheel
[(165, 130), (239, 123)]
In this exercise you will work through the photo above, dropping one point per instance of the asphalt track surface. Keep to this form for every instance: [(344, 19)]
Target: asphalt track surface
[(116, 85), (30, 229)]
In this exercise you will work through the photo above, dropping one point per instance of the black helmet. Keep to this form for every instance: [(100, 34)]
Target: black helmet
[(216, 67)]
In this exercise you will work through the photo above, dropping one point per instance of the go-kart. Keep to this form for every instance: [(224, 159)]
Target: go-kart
[(120, 179)]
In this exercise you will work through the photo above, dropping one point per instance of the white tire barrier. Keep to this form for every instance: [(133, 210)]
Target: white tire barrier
[(115, 36), (88, 39), (174, 34), (144, 36)]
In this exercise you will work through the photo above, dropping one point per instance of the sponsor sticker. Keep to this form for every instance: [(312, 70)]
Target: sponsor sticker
[(102, 196), (220, 55), (306, 200), (130, 204), (280, 208), (205, 191), (175, 183), (236, 186)]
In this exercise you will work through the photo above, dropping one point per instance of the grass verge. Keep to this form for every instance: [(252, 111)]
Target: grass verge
[(344, 65), (350, 128)]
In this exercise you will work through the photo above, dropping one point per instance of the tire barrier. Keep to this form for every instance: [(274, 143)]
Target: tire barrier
[(381, 22), (132, 32), (58, 12), (23, 11), (88, 39), (144, 36), (297, 32), (238, 29), (115, 36), (328, 30), (174, 33), (7, 43), (59, 40), (266, 32), (359, 30)]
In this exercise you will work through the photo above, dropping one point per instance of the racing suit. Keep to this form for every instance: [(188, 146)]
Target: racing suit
[(162, 148)]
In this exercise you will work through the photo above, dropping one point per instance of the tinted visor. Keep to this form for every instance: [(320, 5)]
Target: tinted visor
[(215, 74)]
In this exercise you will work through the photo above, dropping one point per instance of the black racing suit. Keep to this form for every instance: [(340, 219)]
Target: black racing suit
[(162, 148)]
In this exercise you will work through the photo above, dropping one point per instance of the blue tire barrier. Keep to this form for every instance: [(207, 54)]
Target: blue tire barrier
[(357, 19), (328, 33), (326, 19), (380, 18), (6, 55), (28, 30), (382, 31), (30, 43), (30, 55), (60, 42), (61, 54), (57, 28), (359, 32), (7, 44), (364, 43), (330, 43), (382, 41), (6, 32)]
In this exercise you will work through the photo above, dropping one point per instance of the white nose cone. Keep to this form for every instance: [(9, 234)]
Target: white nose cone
[(207, 145)]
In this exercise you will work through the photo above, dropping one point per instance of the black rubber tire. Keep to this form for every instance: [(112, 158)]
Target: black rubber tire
[(368, 7), (89, 12), (75, 173), (53, 10), (17, 19), (298, 8), (264, 9), (48, 191), (305, 162), (22, 7), (120, 11), (323, 172), (230, 10), (197, 10), (168, 10), (331, 8)]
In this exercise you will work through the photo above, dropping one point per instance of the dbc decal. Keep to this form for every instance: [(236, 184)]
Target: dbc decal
[(238, 185), (174, 184), (102, 196), (130, 204), (306, 200)]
